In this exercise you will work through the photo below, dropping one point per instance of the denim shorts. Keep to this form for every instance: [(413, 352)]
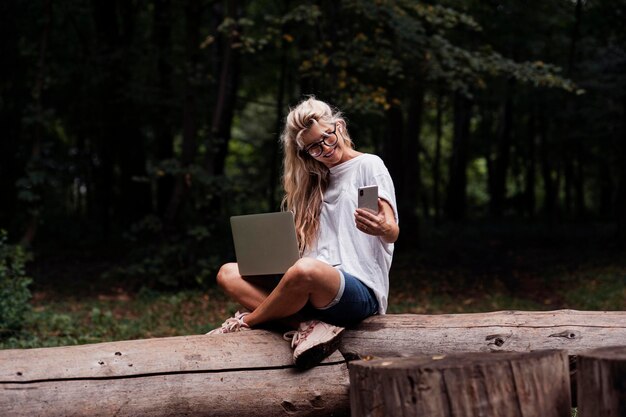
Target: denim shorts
[(356, 303)]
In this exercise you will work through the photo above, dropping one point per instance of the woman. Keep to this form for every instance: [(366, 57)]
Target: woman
[(343, 275)]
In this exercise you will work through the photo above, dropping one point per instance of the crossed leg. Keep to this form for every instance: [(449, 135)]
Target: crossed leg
[(307, 281)]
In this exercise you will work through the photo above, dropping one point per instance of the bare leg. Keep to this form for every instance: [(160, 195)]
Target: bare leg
[(246, 291), (250, 292), (308, 280)]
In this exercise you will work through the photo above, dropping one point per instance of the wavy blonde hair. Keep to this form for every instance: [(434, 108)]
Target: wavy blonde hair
[(304, 178)]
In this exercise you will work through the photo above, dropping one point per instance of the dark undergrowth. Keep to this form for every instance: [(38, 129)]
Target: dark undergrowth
[(454, 270)]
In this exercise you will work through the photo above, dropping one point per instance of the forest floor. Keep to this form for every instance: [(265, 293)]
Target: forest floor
[(473, 269)]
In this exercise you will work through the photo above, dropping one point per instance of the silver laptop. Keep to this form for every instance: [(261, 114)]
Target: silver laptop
[(265, 243)]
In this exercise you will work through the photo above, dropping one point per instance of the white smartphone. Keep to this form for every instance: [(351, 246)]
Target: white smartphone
[(368, 198)]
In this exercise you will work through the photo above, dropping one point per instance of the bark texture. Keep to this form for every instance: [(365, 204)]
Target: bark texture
[(236, 374), (251, 373), (534, 384), (602, 382)]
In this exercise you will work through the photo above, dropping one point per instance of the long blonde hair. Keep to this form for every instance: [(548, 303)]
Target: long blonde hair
[(304, 178)]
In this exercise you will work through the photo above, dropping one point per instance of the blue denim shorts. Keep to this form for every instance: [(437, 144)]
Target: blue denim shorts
[(356, 303)]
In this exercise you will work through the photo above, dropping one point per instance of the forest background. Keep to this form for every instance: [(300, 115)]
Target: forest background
[(132, 130)]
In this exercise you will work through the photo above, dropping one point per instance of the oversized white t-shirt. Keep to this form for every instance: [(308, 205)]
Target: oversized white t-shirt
[(340, 243)]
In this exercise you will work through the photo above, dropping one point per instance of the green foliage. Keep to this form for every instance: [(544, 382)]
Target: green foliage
[(462, 270), (598, 289), (103, 114), (14, 292), (92, 319), (180, 259)]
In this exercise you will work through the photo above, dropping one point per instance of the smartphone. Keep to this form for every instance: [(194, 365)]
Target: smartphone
[(368, 198)]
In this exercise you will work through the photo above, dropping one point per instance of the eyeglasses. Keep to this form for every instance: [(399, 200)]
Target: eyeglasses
[(329, 139)]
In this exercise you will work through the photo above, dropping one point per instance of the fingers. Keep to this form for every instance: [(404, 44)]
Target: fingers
[(370, 223)]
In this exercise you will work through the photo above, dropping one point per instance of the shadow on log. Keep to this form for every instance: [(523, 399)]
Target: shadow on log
[(251, 373)]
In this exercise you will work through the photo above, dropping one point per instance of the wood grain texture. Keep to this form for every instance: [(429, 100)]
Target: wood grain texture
[(602, 382), (532, 384), (515, 331), (193, 368), (243, 374), (321, 391), (249, 350)]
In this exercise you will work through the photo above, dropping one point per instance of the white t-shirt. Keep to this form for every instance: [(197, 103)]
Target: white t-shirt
[(340, 243)]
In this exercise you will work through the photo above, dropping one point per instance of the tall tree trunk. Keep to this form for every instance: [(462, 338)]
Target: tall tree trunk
[(456, 202), (568, 179), (411, 179), (606, 189), (12, 84), (280, 111), (437, 157), (224, 109), (393, 149), (578, 158), (531, 164), (501, 168), (550, 184), (120, 140), (620, 198), (189, 144), (133, 201), (162, 118), (33, 222), (280, 104)]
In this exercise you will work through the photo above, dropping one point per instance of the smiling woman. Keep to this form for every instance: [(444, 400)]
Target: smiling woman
[(328, 140), (343, 274)]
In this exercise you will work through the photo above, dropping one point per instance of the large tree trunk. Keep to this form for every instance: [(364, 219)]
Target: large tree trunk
[(133, 201), (163, 117), (38, 131), (240, 374), (620, 198), (437, 158), (578, 174), (531, 164), (393, 146), (224, 110), (11, 115), (275, 147), (119, 142), (548, 171), (503, 151), (190, 126), (411, 178), (456, 202), (251, 373), (516, 331)]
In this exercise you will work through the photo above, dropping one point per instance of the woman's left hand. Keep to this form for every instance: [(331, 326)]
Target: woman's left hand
[(377, 224)]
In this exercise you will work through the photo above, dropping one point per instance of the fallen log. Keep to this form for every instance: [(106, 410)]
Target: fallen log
[(242, 374), (251, 373), (500, 331)]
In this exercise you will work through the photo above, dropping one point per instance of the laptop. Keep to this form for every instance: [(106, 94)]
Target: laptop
[(265, 244)]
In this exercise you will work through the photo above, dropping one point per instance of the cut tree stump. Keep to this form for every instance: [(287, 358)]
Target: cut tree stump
[(534, 384), (602, 382)]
